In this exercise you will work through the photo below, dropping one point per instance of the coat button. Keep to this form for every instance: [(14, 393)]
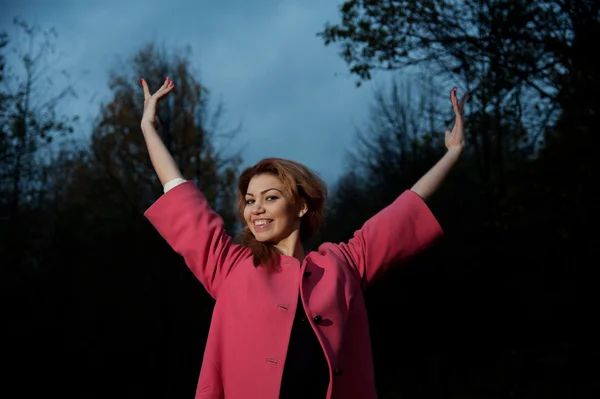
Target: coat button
[(337, 372), (318, 319), (307, 274)]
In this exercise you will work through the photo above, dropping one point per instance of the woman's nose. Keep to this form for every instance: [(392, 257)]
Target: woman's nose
[(258, 209)]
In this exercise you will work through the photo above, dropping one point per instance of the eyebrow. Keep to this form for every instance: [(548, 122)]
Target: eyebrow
[(268, 189)]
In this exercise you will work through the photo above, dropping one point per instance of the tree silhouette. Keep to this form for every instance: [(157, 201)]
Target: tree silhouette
[(29, 121), (508, 291), (190, 128), (494, 50), (126, 274)]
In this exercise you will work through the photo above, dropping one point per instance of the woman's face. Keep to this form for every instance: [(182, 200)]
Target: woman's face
[(270, 215)]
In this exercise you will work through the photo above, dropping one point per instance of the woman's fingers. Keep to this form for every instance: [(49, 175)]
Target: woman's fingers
[(454, 100), (169, 87), (165, 84), (458, 107), (146, 89), (166, 87)]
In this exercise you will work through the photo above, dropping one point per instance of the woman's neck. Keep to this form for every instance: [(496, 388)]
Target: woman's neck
[(292, 246)]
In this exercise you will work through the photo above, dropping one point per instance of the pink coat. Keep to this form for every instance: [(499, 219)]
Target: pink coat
[(254, 310)]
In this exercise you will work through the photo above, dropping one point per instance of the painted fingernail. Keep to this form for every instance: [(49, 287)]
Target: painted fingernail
[(142, 81)]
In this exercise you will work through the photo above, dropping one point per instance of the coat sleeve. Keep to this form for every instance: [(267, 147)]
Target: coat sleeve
[(185, 220), (400, 231)]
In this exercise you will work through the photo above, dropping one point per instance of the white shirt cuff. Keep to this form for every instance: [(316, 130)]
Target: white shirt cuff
[(172, 183)]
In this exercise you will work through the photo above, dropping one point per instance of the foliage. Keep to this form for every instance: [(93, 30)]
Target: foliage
[(190, 130)]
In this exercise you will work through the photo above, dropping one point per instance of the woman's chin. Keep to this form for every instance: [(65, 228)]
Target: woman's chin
[(264, 238)]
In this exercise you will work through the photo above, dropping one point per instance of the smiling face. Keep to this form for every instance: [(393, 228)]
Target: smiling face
[(270, 214)]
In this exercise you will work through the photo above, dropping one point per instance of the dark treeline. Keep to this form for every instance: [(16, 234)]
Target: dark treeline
[(95, 304)]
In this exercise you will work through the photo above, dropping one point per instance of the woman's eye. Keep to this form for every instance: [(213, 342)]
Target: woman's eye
[(249, 201), (271, 198)]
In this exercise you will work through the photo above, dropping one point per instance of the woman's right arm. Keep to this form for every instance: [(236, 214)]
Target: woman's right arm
[(182, 215), (161, 159), (186, 221)]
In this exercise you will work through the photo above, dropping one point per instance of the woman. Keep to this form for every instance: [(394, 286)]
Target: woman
[(287, 324)]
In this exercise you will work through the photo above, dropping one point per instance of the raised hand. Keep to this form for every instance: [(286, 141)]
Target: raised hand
[(150, 101), (455, 138)]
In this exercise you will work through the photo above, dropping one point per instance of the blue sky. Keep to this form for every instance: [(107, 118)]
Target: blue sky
[(293, 95)]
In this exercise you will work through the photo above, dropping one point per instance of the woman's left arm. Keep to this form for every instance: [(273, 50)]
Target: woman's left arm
[(406, 227), (432, 180), (455, 141)]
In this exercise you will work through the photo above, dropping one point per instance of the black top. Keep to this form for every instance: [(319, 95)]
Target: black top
[(306, 372)]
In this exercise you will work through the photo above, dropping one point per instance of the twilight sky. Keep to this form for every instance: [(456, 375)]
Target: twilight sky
[(261, 58)]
